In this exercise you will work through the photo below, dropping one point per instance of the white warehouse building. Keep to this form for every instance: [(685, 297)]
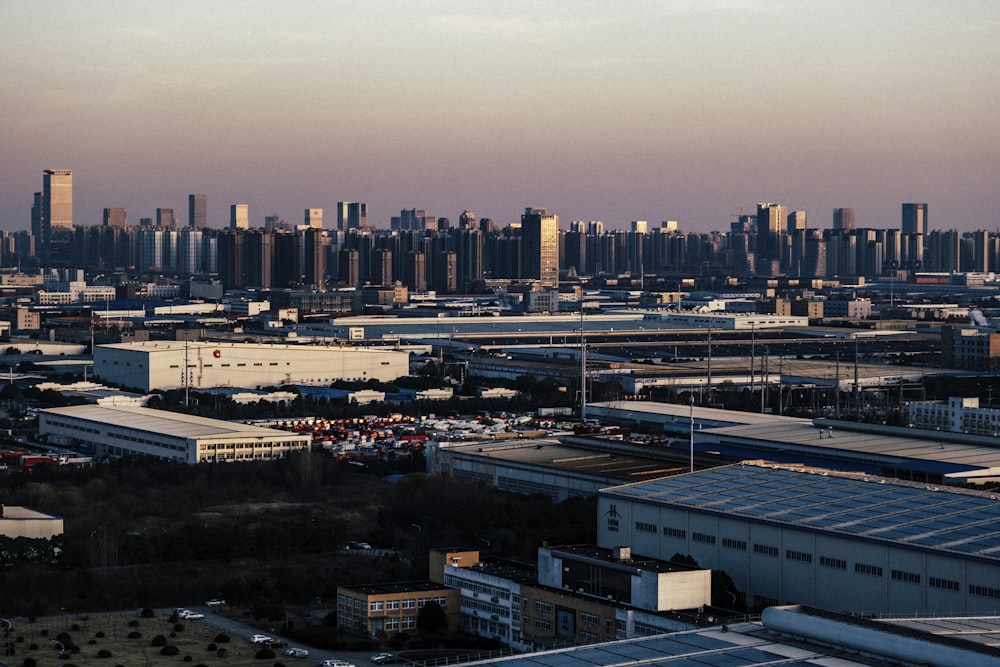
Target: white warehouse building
[(115, 432), (839, 541), (160, 364)]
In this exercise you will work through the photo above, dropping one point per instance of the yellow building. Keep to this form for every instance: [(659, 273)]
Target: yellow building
[(376, 609)]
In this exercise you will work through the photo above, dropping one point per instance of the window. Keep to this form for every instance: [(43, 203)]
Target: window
[(542, 624), (375, 606), (801, 556), (392, 604), (765, 550), (703, 537), (644, 527), (409, 604), (543, 607), (984, 591), (730, 543), (588, 618), (908, 577), (674, 532), (836, 563), (947, 584), (864, 568)]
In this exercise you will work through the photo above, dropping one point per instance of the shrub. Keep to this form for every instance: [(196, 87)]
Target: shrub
[(178, 627), (147, 613), (222, 639), (173, 634), (222, 653), (159, 640), (187, 658), (169, 649), (133, 623), (264, 654), (91, 642), (135, 635), (63, 637), (44, 632), (33, 646), (99, 634), (104, 653), (30, 662), (211, 647)]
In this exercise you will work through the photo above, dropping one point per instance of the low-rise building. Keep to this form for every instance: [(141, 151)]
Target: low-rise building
[(16, 521), (377, 609)]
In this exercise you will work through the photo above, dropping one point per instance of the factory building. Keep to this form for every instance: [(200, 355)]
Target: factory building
[(161, 364), (840, 541), (116, 431)]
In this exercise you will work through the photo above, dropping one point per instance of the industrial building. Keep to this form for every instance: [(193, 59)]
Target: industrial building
[(118, 431), (161, 364), (838, 541), (17, 521), (794, 636)]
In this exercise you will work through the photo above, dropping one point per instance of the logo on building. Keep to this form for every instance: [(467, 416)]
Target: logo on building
[(613, 518)]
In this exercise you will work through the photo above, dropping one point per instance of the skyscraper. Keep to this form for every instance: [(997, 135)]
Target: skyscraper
[(197, 211), (115, 217), (313, 218), (239, 216), (352, 215), (843, 218), (914, 219), (540, 246), (164, 218), (57, 194)]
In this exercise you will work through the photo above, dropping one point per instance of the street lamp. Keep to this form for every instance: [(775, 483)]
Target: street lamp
[(62, 649), (7, 627)]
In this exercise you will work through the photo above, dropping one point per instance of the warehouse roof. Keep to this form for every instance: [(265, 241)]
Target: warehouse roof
[(851, 504), (165, 423)]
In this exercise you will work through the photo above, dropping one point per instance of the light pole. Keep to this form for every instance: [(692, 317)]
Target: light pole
[(62, 649), (692, 431)]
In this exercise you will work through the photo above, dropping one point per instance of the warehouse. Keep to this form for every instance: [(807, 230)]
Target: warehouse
[(840, 541), (117, 431), (160, 364)]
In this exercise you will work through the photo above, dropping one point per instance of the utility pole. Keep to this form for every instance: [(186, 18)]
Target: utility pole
[(708, 377), (837, 388), (583, 367)]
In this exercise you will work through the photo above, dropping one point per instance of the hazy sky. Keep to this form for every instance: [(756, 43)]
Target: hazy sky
[(614, 111)]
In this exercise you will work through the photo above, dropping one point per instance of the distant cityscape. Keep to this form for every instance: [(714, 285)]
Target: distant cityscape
[(424, 252)]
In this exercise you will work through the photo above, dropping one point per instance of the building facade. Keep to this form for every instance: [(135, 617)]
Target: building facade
[(381, 609)]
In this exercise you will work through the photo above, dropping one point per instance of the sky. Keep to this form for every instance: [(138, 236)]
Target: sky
[(686, 110)]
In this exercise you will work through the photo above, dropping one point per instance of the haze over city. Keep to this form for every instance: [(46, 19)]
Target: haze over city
[(664, 110)]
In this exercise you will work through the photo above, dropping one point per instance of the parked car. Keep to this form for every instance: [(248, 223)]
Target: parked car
[(335, 663), (297, 653), (383, 658), (215, 602), (191, 615), (277, 643), (360, 546), (260, 639)]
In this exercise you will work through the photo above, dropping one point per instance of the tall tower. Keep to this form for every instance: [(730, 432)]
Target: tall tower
[(239, 216), (843, 218), (914, 219), (57, 194), (540, 246), (115, 217), (352, 215), (313, 218), (197, 211)]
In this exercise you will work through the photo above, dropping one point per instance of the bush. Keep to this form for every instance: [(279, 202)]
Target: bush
[(133, 623), (159, 640), (135, 635), (169, 649), (104, 653), (211, 647), (75, 627), (147, 613), (64, 638), (222, 639), (91, 642), (178, 627), (264, 654), (99, 634), (30, 662), (222, 653), (188, 658)]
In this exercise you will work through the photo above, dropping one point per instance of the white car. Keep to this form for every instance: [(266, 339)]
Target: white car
[(259, 639), (215, 602), (297, 652), (190, 615), (335, 663)]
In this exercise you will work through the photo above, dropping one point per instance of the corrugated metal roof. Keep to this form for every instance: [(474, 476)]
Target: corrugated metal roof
[(164, 423), (854, 504)]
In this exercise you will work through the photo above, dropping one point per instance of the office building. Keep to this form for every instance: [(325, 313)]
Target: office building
[(379, 609), (313, 218), (352, 215), (239, 216), (164, 218), (914, 219), (57, 195), (540, 246), (197, 211), (115, 217), (772, 226), (843, 218)]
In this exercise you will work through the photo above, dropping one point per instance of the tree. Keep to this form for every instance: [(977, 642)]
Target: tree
[(432, 618)]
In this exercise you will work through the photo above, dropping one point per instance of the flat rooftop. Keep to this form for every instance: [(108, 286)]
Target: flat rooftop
[(401, 587)]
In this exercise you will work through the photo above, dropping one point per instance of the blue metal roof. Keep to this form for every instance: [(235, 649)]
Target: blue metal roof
[(870, 507)]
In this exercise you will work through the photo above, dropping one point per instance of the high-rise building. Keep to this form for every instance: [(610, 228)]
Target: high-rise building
[(352, 215), (239, 216), (197, 211), (164, 218), (843, 218), (314, 218), (540, 246), (914, 219), (115, 217), (57, 194)]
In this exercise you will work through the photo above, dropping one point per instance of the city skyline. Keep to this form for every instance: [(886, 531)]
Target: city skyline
[(639, 111)]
